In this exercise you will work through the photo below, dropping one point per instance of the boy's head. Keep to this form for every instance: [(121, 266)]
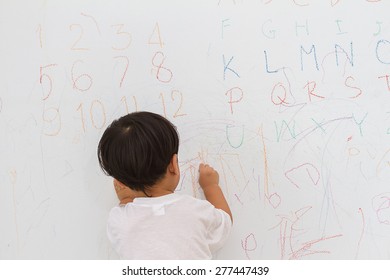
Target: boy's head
[(137, 148)]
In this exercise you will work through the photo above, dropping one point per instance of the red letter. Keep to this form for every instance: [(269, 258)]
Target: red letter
[(350, 86), (311, 90), (230, 93), (387, 80)]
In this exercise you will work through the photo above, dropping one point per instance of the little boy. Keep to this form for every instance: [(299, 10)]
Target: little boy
[(139, 151)]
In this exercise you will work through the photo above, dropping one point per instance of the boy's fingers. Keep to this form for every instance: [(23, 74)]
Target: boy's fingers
[(206, 169), (202, 166)]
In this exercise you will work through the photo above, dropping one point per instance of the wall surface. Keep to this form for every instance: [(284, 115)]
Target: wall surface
[(288, 100)]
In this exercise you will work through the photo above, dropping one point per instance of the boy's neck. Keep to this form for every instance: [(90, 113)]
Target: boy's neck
[(155, 191)]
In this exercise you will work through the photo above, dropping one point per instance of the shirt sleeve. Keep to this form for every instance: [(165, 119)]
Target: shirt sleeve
[(219, 229), (113, 225)]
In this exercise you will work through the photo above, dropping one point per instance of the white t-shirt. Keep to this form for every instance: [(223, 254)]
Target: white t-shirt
[(168, 227)]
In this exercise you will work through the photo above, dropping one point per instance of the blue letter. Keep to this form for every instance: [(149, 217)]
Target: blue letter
[(377, 47), (313, 49), (266, 64), (226, 67), (337, 57)]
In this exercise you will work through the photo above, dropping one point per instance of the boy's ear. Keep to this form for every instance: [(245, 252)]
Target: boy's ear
[(174, 165)]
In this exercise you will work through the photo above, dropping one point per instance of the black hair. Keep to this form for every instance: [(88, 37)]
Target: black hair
[(137, 148)]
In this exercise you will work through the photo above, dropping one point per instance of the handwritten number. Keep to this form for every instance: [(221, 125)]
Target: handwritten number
[(80, 108), (95, 105), (48, 78), (49, 116), (178, 111), (102, 112), (174, 95), (76, 80), (81, 34), (163, 74), (124, 100), (123, 34), (125, 71)]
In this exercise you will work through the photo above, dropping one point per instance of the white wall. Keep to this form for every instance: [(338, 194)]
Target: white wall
[(289, 100)]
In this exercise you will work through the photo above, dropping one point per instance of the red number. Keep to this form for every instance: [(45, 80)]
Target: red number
[(125, 71), (76, 80), (48, 78)]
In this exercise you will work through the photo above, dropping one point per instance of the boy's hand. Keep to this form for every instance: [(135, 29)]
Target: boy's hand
[(209, 181), (208, 176), (125, 194)]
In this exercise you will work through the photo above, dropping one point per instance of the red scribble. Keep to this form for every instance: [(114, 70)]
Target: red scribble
[(282, 238), (313, 177), (381, 203), (362, 232), (306, 249), (349, 138), (271, 198), (274, 199), (287, 227), (158, 61), (290, 233), (244, 244)]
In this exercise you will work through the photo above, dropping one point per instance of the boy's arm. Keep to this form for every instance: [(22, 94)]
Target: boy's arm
[(209, 182)]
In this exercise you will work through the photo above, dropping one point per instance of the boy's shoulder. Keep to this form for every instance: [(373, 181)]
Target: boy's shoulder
[(198, 204), (179, 198), (174, 198)]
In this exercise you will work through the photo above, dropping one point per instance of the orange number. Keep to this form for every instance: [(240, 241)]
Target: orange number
[(49, 116), (120, 32), (124, 100), (96, 104), (163, 104), (81, 34), (80, 108), (173, 94), (102, 111)]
